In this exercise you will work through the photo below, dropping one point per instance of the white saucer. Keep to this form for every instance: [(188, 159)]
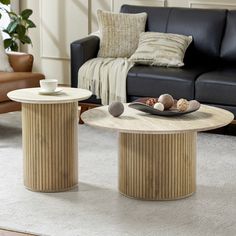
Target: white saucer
[(44, 92)]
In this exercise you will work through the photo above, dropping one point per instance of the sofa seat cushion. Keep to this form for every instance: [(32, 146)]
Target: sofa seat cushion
[(147, 81), (16, 80), (217, 87)]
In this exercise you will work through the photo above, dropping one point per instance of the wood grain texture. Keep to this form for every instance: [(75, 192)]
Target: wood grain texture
[(50, 139), (133, 121), (32, 95), (157, 166), (157, 154)]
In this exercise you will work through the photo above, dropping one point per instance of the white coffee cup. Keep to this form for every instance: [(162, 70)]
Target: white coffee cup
[(48, 85)]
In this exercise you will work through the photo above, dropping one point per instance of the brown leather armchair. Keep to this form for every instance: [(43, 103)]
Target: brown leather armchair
[(22, 77)]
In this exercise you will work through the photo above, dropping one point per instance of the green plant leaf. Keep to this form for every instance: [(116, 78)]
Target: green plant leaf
[(5, 31), (25, 39), (25, 14), (21, 30), (18, 27), (30, 24), (7, 43), (0, 15), (12, 26), (5, 2), (14, 46)]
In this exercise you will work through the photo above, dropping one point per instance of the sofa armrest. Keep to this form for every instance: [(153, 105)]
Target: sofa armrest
[(21, 62), (81, 51)]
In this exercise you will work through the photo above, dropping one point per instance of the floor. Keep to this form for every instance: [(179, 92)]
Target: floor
[(97, 209)]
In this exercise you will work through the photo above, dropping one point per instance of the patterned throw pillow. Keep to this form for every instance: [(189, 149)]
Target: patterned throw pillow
[(4, 62), (119, 33), (161, 49)]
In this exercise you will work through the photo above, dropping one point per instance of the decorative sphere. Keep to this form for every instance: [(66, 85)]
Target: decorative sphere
[(116, 109), (182, 104), (151, 101), (194, 104), (167, 100), (159, 106)]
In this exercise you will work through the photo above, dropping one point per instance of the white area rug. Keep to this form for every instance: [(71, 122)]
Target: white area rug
[(98, 209)]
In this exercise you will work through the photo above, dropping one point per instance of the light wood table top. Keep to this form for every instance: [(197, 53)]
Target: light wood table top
[(31, 95), (134, 121)]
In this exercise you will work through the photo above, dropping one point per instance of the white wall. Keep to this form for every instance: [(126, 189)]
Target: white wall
[(5, 20), (59, 22)]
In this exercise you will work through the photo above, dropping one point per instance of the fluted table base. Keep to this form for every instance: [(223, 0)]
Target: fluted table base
[(157, 166), (50, 149)]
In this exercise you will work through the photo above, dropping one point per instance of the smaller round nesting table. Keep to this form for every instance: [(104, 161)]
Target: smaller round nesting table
[(50, 138), (157, 155)]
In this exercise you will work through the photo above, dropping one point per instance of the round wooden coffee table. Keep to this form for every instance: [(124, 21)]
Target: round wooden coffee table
[(50, 138), (157, 155)]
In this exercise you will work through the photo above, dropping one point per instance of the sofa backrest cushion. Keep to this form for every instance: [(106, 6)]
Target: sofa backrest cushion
[(228, 48), (157, 16), (205, 25)]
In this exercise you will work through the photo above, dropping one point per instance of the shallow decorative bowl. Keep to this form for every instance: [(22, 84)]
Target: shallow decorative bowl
[(140, 105)]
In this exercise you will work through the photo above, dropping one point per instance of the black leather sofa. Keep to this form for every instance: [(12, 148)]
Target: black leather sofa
[(209, 74)]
